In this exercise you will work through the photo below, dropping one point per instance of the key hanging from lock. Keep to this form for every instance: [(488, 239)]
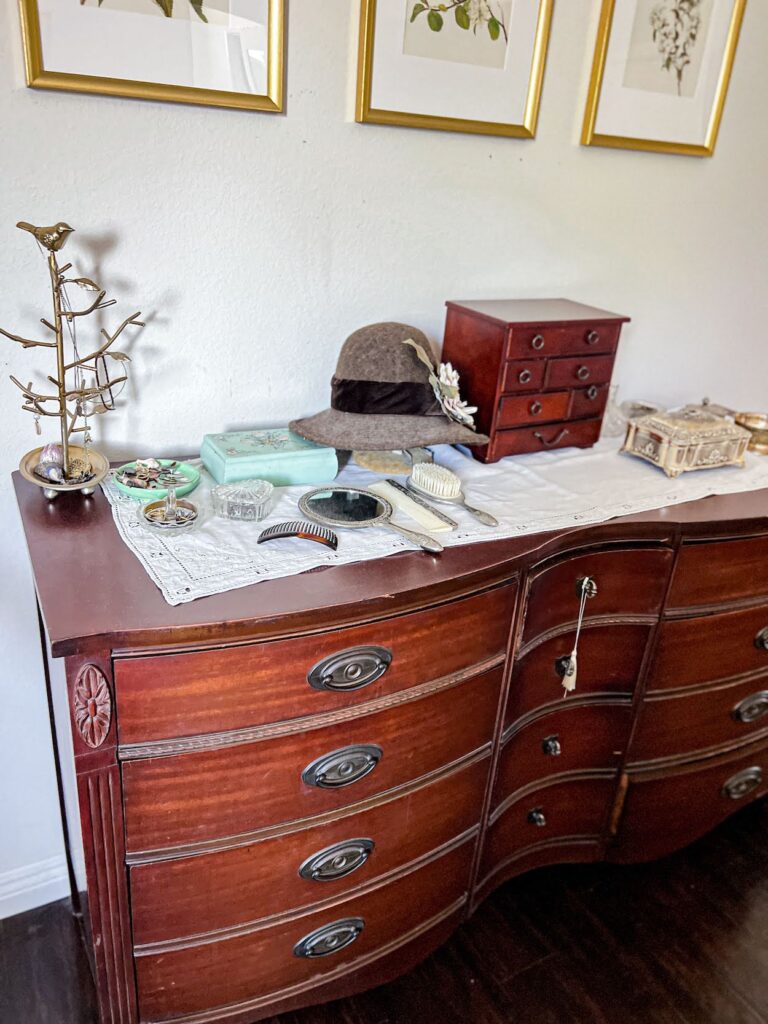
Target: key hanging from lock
[(585, 588)]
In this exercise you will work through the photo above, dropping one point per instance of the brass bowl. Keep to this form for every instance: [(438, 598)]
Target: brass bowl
[(51, 490), (757, 424)]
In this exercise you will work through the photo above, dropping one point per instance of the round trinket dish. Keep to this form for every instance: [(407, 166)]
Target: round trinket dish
[(28, 467), (247, 500), (170, 518), (757, 424), (190, 474)]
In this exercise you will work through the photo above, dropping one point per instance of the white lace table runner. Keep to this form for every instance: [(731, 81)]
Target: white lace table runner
[(527, 494)]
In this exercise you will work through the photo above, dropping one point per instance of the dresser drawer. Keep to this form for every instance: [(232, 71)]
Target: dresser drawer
[(229, 888), (710, 647), (676, 724), (215, 793), (213, 691), (589, 401), (534, 408), (574, 339), (523, 375), (715, 572), (581, 434), (629, 582), (558, 811), (666, 810), (575, 738), (230, 970), (609, 661), (563, 373)]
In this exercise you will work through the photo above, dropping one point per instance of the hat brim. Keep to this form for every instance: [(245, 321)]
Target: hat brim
[(352, 431)]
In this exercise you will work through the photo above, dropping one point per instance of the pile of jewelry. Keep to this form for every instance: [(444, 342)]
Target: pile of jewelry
[(50, 466), (149, 475)]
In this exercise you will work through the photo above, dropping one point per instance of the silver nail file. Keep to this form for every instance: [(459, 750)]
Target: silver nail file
[(424, 504)]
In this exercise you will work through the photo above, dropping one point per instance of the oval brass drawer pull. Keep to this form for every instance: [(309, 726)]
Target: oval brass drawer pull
[(761, 640), (742, 783), (337, 861), (342, 767), (525, 377), (331, 938), (593, 337), (351, 669), (537, 817), (552, 746), (751, 708)]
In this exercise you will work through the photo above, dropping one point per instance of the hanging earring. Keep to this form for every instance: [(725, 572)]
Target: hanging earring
[(38, 428)]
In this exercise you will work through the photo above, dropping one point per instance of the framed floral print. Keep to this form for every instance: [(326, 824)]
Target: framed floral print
[(458, 65), (222, 53), (660, 74)]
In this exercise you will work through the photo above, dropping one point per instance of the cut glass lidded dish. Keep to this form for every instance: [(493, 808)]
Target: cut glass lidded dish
[(246, 500)]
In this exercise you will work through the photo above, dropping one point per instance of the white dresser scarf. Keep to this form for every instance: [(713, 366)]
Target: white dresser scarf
[(527, 494)]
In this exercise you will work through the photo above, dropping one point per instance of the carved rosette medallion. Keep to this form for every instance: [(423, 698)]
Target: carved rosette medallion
[(93, 705)]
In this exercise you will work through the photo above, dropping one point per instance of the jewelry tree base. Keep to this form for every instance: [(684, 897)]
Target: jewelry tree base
[(99, 469)]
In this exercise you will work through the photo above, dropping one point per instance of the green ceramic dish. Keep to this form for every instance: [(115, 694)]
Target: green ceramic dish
[(152, 494)]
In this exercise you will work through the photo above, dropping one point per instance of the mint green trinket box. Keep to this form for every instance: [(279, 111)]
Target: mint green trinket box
[(277, 455)]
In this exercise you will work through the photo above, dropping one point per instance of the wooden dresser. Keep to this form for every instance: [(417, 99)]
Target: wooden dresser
[(297, 790), (538, 371)]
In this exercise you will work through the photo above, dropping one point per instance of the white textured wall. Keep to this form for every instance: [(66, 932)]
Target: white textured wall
[(255, 243)]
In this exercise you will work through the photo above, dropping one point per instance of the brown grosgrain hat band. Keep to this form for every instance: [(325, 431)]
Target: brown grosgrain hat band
[(376, 397)]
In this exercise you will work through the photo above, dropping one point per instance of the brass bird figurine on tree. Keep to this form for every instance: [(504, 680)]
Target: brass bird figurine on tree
[(73, 398), (51, 238)]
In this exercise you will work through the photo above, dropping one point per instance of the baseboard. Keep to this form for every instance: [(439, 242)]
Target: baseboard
[(33, 886)]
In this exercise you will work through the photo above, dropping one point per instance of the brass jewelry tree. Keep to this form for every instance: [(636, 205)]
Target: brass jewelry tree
[(75, 398)]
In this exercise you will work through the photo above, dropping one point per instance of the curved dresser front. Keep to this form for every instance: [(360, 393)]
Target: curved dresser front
[(301, 801)]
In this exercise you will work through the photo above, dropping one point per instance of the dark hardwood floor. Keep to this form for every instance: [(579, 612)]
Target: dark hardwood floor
[(679, 941)]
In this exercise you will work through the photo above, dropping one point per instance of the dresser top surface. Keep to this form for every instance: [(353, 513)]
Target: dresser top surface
[(94, 593), (534, 311)]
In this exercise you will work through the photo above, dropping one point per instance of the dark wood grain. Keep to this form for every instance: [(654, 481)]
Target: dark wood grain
[(630, 581), (170, 801), (708, 648), (610, 659), (572, 807), (261, 963), (543, 408), (713, 574), (172, 898), (682, 724), (187, 694), (668, 808), (593, 734)]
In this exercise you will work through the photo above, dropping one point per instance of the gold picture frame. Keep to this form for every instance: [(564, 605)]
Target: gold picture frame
[(591, 137), (39, 77), (365, 113)]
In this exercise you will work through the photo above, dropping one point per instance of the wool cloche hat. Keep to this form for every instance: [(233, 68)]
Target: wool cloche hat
[(387, 393)]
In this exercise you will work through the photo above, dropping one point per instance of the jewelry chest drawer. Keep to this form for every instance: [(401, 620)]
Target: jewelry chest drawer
[(234, 787), (174, 695)]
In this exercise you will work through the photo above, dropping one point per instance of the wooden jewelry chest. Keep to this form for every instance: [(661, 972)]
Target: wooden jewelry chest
[(537, 369), (295, 791)]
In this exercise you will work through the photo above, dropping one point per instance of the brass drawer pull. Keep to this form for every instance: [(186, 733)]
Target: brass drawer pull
[(742, 783), (555, 440), (583, 373), (761, 640), (537, 817), (331, 938), (525, 377), (351, 669), (751, 708), (593, 337), (538, 342), (337, 861), (551, 745), (535, 408), (592, 392), (342, 767)]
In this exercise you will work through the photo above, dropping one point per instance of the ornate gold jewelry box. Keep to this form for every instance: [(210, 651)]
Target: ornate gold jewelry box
[(688, 438)]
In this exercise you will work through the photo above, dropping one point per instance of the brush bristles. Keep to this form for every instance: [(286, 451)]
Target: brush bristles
[(436, 480)]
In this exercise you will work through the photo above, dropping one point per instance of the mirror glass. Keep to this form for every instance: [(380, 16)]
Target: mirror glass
[(341, 507)]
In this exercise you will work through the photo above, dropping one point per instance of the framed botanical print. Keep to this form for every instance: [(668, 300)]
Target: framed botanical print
[(222, 53), (459, 65), (660, 74)]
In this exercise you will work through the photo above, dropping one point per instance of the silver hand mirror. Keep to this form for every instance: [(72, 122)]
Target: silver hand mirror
[(353, 508)]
